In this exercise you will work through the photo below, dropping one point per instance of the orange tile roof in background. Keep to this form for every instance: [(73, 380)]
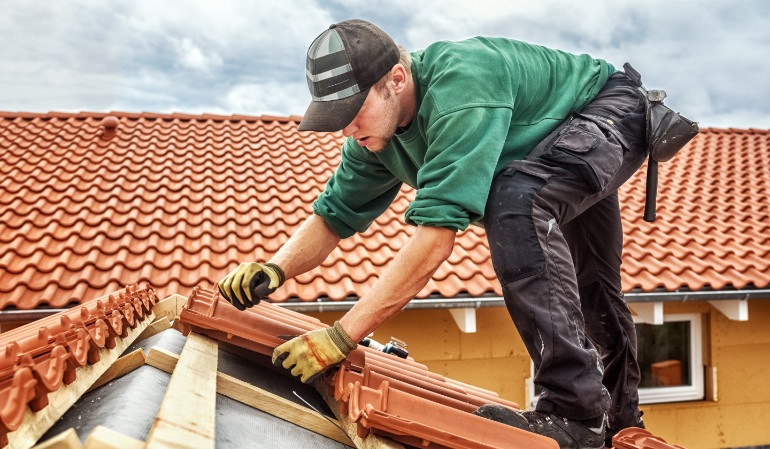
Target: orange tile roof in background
[(91, 202)]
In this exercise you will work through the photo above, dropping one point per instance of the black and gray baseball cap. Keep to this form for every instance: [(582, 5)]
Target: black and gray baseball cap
[(343, 63)]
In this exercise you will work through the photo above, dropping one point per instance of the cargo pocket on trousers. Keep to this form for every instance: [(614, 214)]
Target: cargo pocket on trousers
[(588, 152)]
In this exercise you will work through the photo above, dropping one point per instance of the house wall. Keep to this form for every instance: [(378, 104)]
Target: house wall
[(495, 358)]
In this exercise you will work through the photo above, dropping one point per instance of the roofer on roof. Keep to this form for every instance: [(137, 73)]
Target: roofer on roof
[(530, 142)]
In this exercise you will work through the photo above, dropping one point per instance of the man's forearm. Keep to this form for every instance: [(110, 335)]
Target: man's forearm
[(307, 248), (404, 277)]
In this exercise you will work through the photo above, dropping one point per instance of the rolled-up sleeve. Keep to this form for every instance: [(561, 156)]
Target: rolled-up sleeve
[(358, 192)]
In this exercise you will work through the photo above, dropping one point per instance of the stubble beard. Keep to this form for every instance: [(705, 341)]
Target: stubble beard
[(390, 124)]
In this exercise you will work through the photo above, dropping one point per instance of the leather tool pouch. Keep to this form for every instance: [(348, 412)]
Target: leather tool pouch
[(667, 133)]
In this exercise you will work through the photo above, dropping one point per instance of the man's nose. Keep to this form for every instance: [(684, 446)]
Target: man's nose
[(350, 129)]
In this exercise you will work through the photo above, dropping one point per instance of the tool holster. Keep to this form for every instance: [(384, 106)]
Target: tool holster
[(667, 133)]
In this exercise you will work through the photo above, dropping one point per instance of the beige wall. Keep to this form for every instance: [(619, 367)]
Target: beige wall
[(494, 358)]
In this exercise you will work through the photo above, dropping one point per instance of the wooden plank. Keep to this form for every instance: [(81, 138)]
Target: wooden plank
[(128, 362), (177, 324), (65, 440), (180, 302), (103, 438), (260, 399), (165, 308), (186, 415), (35, 424), (155, 328), (169, 307), (712, 387), (371, 441), (162, 359)]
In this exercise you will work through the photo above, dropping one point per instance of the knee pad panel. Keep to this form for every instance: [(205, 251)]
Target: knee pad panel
[(513, 242)]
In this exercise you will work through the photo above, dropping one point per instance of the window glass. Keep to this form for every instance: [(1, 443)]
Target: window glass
[(664, 354)]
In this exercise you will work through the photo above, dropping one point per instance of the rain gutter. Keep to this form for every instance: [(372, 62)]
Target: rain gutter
[(497, 301)]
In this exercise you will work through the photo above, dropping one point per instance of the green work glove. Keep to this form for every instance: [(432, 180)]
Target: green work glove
[(309, 354), (249, 283)]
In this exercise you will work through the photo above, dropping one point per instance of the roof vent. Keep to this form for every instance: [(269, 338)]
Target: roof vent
[(109, 124)]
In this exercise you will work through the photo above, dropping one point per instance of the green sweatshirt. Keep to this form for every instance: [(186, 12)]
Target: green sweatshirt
[(481, 103)]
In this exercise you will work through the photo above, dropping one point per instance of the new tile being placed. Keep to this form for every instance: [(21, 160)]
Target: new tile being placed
[(93, 201), (43, 356), (636, 438), (382, 393)]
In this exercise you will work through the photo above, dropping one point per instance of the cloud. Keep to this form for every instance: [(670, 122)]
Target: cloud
[(707, 56), (149, 55), (272, 98), (192, 57), (203, 56)]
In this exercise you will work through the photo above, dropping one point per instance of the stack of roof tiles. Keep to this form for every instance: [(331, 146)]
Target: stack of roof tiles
[(93, 201), (38, 358)]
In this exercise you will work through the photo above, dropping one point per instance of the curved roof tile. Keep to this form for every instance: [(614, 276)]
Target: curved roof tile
[(178, 199)]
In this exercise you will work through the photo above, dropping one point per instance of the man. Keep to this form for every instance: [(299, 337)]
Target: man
[(531, 142)]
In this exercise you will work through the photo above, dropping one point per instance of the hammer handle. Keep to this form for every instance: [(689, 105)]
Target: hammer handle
[(651, 191)]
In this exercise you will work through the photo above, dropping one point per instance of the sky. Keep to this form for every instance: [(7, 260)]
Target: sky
[(248, 56)]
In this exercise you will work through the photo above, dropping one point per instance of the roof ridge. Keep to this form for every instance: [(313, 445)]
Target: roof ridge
[(731, 130), (151, 115), (250, 118)]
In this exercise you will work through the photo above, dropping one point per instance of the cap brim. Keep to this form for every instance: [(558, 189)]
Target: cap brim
[(329, 116)]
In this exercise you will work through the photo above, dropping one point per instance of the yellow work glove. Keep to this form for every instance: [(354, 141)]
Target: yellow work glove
[(249, 283), (309, 354)]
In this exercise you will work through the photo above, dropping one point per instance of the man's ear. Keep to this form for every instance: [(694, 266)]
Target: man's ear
[(398, 78)]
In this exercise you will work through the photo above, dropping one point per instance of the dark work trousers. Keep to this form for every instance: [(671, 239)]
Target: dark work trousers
[(555, 236)]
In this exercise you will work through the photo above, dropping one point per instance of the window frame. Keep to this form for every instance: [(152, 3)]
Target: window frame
[(696, 390)]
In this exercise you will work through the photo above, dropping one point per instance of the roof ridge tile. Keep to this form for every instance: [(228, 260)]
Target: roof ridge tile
[(38, 358)]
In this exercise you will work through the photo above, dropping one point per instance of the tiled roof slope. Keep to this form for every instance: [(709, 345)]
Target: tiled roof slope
[(90, 202), (713, 227)]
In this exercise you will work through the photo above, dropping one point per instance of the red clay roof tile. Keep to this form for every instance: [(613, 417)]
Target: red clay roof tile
[(174, 199), (636, 438)]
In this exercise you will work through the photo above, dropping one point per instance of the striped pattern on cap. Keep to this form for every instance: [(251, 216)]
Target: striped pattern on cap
[(328, 70)]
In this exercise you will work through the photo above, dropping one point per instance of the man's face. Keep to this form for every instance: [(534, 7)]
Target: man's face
[(376, 121)]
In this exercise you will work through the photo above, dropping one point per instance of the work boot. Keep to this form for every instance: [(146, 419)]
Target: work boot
[(612, 432), (569, 433)]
